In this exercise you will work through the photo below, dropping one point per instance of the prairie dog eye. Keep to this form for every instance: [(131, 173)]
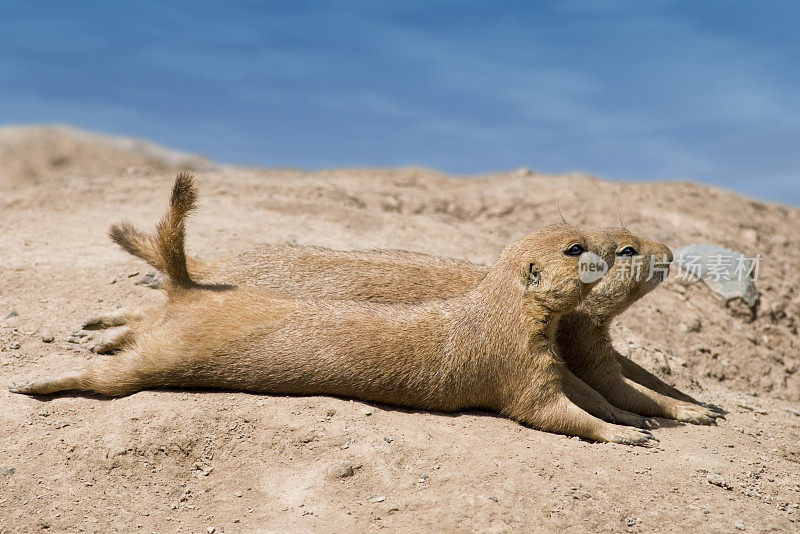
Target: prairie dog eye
[(575, 250), (628, 252)]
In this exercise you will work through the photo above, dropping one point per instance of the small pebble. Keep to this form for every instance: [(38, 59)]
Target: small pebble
[(717, 480), (368, 411), (203, 469), (693, 324), (493, 498), (12, 314), (211, 530), (378, 498), (15, 345), (739, 525), (6, 470), (753, 409), (341, 469), (47, 336), (152, 280)]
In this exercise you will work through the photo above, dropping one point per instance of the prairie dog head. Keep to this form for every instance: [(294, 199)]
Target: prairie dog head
[(640, 265), (555, 267)]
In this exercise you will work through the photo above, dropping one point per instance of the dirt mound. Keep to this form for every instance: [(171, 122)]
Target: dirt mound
[(175, 460), (36, 154)]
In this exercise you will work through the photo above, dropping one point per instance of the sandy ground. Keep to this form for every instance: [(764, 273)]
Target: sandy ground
[(186, 461)]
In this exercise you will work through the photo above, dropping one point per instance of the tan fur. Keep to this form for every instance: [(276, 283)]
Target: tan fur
[(634, 372), (165, 251), (402, 276), (491, 348), (409, 277), (585, 342)]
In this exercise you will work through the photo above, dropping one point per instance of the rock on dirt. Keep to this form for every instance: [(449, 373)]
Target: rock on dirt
[(152, 280), (341, 469), (728, 273), (718, 480)]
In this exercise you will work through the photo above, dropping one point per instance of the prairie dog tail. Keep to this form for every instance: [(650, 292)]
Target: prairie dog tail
[(165, 250)]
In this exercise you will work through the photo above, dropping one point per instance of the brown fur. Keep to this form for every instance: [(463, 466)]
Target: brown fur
[(402, 276), (165, 251), (586, 344), (410, 277), (492, 348)]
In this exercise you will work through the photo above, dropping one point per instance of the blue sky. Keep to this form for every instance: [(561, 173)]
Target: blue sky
[(625, 89)]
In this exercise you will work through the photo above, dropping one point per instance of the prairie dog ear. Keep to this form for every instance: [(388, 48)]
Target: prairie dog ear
[(532, 275)]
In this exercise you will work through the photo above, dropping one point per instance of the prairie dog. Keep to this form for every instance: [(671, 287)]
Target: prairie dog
[(410, 277), (584, 338), (395, 276), (491, 348)]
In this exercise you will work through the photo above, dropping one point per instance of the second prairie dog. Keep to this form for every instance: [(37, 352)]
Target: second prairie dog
[(402, 276), (395, 276), (491, 348)]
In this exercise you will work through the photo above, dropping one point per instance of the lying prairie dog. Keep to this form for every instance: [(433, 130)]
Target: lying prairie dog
[(411, 277), (396, 276), (491, 348)]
